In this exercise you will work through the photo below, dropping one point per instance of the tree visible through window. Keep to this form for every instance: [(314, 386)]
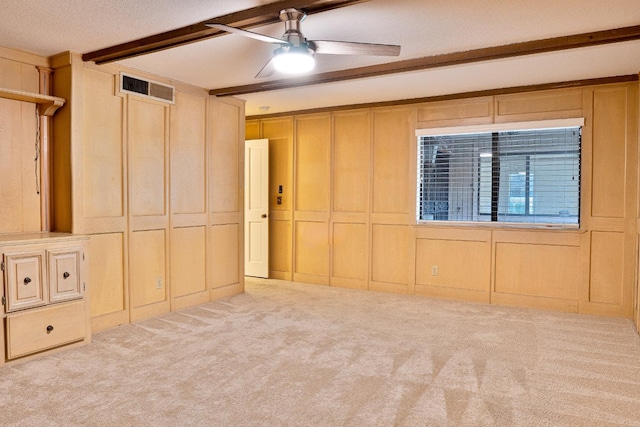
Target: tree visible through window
[(519, 176)]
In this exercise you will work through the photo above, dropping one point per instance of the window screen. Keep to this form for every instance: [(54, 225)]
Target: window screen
[(520, 176)]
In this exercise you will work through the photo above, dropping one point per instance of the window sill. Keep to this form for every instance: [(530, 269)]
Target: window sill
[(502, 226)]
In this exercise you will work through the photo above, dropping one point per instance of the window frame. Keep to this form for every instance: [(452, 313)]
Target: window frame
[(489, 128)]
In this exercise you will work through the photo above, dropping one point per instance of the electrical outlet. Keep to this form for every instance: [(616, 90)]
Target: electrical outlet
[(434, 270), (159, 283)]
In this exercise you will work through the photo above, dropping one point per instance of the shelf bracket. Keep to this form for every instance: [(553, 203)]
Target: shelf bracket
[(49, 108)]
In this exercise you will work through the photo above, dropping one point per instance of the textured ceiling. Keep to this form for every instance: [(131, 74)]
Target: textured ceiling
[(421, 27)]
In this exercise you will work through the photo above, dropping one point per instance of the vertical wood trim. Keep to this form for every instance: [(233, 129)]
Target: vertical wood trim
[(208, 142), (412, 202), (585, 271), (492, 267), (372, 129), (586, 160), (294, 191), (125, 203), (241, 132), (636, 293), (330, 218), (167, 207), (631, 201), (76, 152), (45, 75)]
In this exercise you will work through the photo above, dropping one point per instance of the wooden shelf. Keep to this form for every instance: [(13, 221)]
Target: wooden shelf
[(47, 105)]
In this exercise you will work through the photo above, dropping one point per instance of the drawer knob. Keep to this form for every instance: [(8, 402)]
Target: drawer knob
[(49, 328), (27, 280), (65, 274)]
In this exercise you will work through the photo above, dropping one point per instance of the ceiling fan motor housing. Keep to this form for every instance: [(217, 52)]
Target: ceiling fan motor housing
[(292, 19)]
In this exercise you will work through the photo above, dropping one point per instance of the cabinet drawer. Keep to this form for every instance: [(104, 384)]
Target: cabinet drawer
[(36, 330), (64, 274), (24, 282)]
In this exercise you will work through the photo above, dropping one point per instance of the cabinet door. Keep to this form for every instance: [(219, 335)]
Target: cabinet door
[(24, 286), (64, 274)]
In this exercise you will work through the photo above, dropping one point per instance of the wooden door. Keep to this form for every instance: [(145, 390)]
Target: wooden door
[(256, 202)]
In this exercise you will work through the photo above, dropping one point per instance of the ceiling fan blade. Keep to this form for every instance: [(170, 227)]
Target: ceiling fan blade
[(329, 47), (267, 70), (246, 33)]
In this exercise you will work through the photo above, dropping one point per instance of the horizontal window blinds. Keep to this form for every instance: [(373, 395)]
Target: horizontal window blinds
[(520, 176)]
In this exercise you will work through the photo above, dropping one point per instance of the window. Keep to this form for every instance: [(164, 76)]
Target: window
[(526, 173)]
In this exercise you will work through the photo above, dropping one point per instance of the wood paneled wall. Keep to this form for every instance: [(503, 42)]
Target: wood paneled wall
[(346, 213), (226, 198), (351, 196), (158, 188), (19, 173), (188, 154), (352, 221), (391, 170), (311, 199)]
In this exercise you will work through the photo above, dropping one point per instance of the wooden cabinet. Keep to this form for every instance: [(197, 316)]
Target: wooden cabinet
[(43, 294)]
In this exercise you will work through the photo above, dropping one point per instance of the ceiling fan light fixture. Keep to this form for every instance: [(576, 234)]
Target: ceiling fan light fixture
[(293, 59)]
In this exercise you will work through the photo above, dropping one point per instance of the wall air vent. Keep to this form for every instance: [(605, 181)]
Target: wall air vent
[(146, 88)]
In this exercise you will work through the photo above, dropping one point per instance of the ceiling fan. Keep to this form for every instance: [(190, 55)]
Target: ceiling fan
[(296, 53)]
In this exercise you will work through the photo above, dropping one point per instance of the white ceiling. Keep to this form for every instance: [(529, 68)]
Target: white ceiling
[(421, 27)]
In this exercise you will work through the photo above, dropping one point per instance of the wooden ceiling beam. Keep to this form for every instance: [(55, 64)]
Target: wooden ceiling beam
[(249, 18), (617, 35)]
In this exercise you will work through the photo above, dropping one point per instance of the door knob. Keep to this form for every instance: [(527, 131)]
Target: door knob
[(27, 280), (264, 215), (66, 274)]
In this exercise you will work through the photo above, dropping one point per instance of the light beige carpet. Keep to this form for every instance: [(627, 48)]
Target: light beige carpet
[(288, 354)]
